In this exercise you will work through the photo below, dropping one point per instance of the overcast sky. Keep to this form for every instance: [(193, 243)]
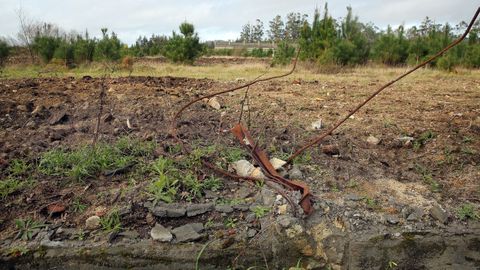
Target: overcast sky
[(216, 19)]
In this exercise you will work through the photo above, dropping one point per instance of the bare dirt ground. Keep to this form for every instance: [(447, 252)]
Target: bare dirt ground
[(427, 129)]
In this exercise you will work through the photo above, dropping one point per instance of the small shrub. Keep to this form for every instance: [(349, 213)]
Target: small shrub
[(164, 186), (26, 227), (4, 52), (260, 211), (184, 48), (283, 54), (423, 139), (111, 222), (467, 211)]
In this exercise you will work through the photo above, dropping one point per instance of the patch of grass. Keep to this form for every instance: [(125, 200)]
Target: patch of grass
[(19, 177), (428, 178), (78, 206), (88, 161), (371, 203), (232, 154), (423, 139), (230, 222), (260, 211), (18, 167), (26, 227), (135, 147), (467, 139), (164, 186), (468, 211), (468, 151), (111, 222), (9, 186), (16, 251), (212, 183)]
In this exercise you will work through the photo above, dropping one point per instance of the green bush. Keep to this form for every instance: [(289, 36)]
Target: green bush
[(4, 52), (284, 53), (109, 47), (184, 48), (46, 46)]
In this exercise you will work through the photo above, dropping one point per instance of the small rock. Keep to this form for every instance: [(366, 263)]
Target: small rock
[(286, 221), (282, 209), (22, 107), (294, 231), (330, 149), (373, 140), (353, 197), (186, 233), (160, 233), (58, 118), (251, 233), (317, 125), (268, 196), (150, 219), (130, 234), (392, 219), (224, 208), (243, 167), (243, 192), (257, 173), (198, 209), (439, 214), (213, 102), (241, 207), (168, 210), (39, 110), (92, 223), (295, 173), (198, 227), (277, 163)]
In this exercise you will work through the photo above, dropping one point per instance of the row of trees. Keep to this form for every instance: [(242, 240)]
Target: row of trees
[(51, 43), (348, 41), (278, 30)]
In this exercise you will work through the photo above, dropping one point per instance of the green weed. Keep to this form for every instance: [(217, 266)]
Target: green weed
[(423, 139), (164, 186), (467, 211), (230, 222), (26, 228), (78, 206), (260, 211), (428, 178), (111, 222)]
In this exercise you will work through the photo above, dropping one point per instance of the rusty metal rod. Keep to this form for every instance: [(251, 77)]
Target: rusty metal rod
[(318, 139)]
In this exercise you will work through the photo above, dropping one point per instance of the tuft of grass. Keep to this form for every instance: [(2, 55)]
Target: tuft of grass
[(111, 222), (467, 211), (230, 222), (78, 206), (428, 178), (164, 186), (423, 139), (260, 211), (19, 177), (9, 186), (26, 227)]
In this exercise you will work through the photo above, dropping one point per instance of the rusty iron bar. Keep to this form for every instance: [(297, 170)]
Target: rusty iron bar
[(318, 139), (262, 160)]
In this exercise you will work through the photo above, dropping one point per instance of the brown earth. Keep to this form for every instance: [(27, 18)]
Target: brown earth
[(39, 114)]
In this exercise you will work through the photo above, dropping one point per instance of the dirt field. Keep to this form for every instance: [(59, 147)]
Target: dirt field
[(427, 126)]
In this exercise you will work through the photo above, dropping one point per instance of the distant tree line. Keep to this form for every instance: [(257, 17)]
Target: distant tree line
[(323, 40), (348, 41)]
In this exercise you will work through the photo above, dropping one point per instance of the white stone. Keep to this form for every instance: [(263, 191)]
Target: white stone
[(92, 223), (317, 124), (243, 167), (160, 233), (277, 163), (373, 140), (213, 102)]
